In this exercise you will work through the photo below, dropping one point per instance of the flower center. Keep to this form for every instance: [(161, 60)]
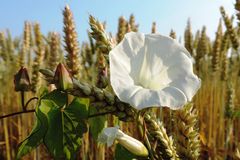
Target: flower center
[(153, 84), (153, 75)]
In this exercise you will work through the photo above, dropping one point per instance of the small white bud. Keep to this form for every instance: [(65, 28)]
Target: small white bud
[(109, 135)]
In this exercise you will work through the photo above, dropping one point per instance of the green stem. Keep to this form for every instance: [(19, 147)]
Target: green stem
[(22, 101), (25, 107), (67, 101), (17, 113)]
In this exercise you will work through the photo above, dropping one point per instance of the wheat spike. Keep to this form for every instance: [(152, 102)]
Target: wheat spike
[(173, 34), (98, 33), (38, 58), (71, 43), (237, 7), (202, 48), (122, 28), (231, 31), (92, 44), (54, 51), (88, 59), (165, 147), (88, 55), (224, 58), (217, 48), (154, 27), (26, 44), (188, 37), (132, 23), (229, 113), (230, 101), (186, 133), (10, 47), (29, 45), (3, 47), (196, 40)]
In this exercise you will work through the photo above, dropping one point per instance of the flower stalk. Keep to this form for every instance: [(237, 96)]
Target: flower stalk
[(22, 101)]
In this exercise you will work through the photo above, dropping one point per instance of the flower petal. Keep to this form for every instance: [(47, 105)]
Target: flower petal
[(177, 61), (152, 70), (140, 98)]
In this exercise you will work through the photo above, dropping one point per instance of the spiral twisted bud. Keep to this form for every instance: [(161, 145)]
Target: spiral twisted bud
[(62, 79), (22, 80), (109, 135)]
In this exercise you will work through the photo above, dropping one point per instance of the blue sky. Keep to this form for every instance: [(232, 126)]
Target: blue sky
[(169, 14)]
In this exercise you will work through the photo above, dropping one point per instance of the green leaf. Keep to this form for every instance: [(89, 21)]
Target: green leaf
[(58, 126), (78, 108), (65, 128), (54, 136), (36, 136), (123, 154), (42, 92), (58, 97), (96, 124)]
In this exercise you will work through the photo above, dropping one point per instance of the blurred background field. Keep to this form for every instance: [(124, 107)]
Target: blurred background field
[(216, 61)]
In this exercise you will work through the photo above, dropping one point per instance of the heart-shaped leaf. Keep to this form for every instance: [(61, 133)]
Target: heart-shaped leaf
[(59, 126)]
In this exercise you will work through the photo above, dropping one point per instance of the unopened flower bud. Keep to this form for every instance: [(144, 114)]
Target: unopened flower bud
[(109, 135), (22, 80), (62, 78)]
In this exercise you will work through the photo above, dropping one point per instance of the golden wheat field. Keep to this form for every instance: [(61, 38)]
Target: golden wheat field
[(58, 96)]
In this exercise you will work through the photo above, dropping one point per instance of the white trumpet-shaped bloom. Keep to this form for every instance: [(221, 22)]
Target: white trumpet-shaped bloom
[(152, 70), (109, 135)]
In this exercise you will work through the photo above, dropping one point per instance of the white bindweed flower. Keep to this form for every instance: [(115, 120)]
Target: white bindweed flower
[(109, 135), (152, 70)]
